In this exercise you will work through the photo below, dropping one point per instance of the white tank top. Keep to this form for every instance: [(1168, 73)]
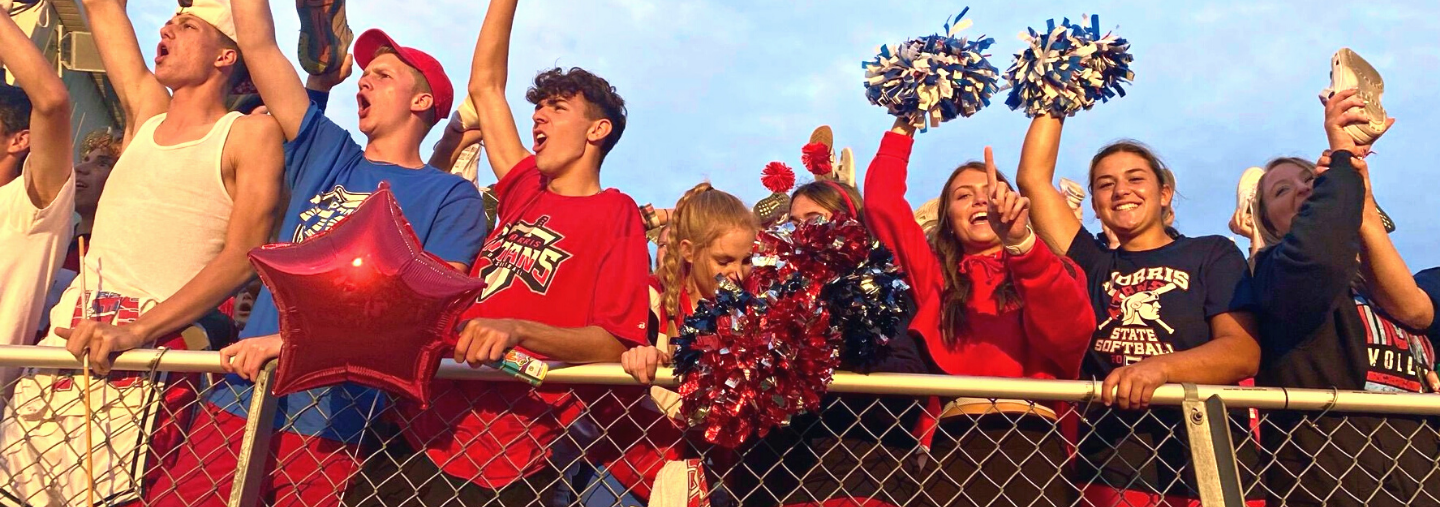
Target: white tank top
[(163, 214), (162, 218)]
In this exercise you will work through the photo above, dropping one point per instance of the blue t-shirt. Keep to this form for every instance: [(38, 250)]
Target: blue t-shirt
[(1429, 281), (328, 176)]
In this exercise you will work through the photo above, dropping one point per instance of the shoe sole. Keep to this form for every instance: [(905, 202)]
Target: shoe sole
[(1072, 189), (1247, 188), (824, 135), (1371, 88), (845, 168), (928, 215), (321, 42)]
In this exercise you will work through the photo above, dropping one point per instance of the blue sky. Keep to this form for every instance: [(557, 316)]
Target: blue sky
[(717, 89)]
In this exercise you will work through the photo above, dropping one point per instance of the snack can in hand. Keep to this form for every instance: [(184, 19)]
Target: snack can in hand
[(522, 366)]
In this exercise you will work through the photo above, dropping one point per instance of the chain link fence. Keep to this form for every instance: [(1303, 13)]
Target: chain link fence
[(167, 428)]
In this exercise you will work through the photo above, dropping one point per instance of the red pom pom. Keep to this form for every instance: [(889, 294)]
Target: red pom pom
[(778, 177), (816, 157)]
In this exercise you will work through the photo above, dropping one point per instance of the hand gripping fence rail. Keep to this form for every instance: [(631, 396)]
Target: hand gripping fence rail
[(170, 429)]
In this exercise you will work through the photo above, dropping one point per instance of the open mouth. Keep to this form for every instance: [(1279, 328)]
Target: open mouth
[(161, 51), (980, 218), (362, 103), (540, 138), (1126, 206)]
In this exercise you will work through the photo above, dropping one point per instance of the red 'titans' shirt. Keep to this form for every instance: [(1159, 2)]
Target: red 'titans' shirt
[(562, 261)]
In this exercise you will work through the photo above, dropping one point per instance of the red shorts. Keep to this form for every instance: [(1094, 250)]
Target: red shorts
[(301, 471)]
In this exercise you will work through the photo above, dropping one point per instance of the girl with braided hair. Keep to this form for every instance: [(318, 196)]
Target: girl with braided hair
[(712, 233)]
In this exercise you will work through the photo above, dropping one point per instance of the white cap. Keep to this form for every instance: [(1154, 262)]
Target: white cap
[(215, 12)]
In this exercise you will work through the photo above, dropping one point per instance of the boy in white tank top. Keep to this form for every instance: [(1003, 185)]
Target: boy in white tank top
[(195, 189), (35, 207)]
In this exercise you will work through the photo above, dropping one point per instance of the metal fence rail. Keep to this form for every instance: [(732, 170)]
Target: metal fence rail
[(169, 430)]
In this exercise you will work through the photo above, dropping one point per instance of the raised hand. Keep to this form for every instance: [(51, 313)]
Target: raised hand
[(1346, 114), (1009, 212), (329, 80)]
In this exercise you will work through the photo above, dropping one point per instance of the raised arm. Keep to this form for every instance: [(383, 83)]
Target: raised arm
[(258, 167), (1387, 277), (1298, 281), (1062, 330), (49, 160), (1052, 217), (488, 72), (141, 95), (890, 219), (274, 77), (317, 87), (454, 140)]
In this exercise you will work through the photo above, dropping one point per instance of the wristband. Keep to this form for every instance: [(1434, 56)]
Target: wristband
[(648, 216), (1025, 244)]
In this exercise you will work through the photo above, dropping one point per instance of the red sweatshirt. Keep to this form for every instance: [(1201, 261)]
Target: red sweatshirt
[(1001, 342)]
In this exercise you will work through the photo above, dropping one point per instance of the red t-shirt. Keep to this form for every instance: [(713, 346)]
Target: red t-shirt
[(562, 261)]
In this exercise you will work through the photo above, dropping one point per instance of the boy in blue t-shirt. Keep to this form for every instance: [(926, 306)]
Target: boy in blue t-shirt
[(403, 93)]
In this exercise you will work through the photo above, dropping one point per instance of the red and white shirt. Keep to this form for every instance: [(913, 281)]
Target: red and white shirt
[(562, 261)]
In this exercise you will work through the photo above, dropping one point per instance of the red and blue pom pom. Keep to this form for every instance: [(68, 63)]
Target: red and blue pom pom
[(753, 356)]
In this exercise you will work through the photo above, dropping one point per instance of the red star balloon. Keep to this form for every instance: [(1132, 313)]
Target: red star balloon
[(363, 302)]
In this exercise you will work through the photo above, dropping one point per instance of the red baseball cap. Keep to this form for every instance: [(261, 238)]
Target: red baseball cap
[(374, 39)]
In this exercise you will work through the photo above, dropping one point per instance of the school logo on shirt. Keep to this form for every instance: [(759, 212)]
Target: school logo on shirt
[(522, 251), (1399, 359), (325, 210), (1136, 312), (109, 308)]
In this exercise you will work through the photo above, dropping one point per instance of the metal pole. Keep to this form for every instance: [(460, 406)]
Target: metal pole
[(1265, 398), (185, 361), (1216, 474), (255, 447)]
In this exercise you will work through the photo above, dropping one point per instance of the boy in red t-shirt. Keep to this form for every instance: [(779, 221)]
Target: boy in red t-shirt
[(567, 270)]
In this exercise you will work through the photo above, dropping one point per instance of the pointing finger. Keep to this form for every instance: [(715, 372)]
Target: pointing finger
[(990, 177)]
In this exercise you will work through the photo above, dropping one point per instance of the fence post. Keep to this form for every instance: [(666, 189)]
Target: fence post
[(255, 447), (1216, 474)]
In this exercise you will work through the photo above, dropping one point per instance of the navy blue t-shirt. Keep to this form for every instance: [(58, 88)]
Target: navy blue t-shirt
[(328, 176), (1429, 281), (1151, 303)]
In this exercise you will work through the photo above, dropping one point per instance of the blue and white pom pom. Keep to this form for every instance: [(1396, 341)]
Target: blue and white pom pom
[(934, 78), (1068, 68)]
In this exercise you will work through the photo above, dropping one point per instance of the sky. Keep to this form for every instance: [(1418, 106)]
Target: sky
[(717, 89)]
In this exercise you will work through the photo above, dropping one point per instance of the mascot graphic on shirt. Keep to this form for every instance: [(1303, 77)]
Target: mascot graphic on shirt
[(1141, 307), (521, 251), (326, 209), (1135, 314)]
